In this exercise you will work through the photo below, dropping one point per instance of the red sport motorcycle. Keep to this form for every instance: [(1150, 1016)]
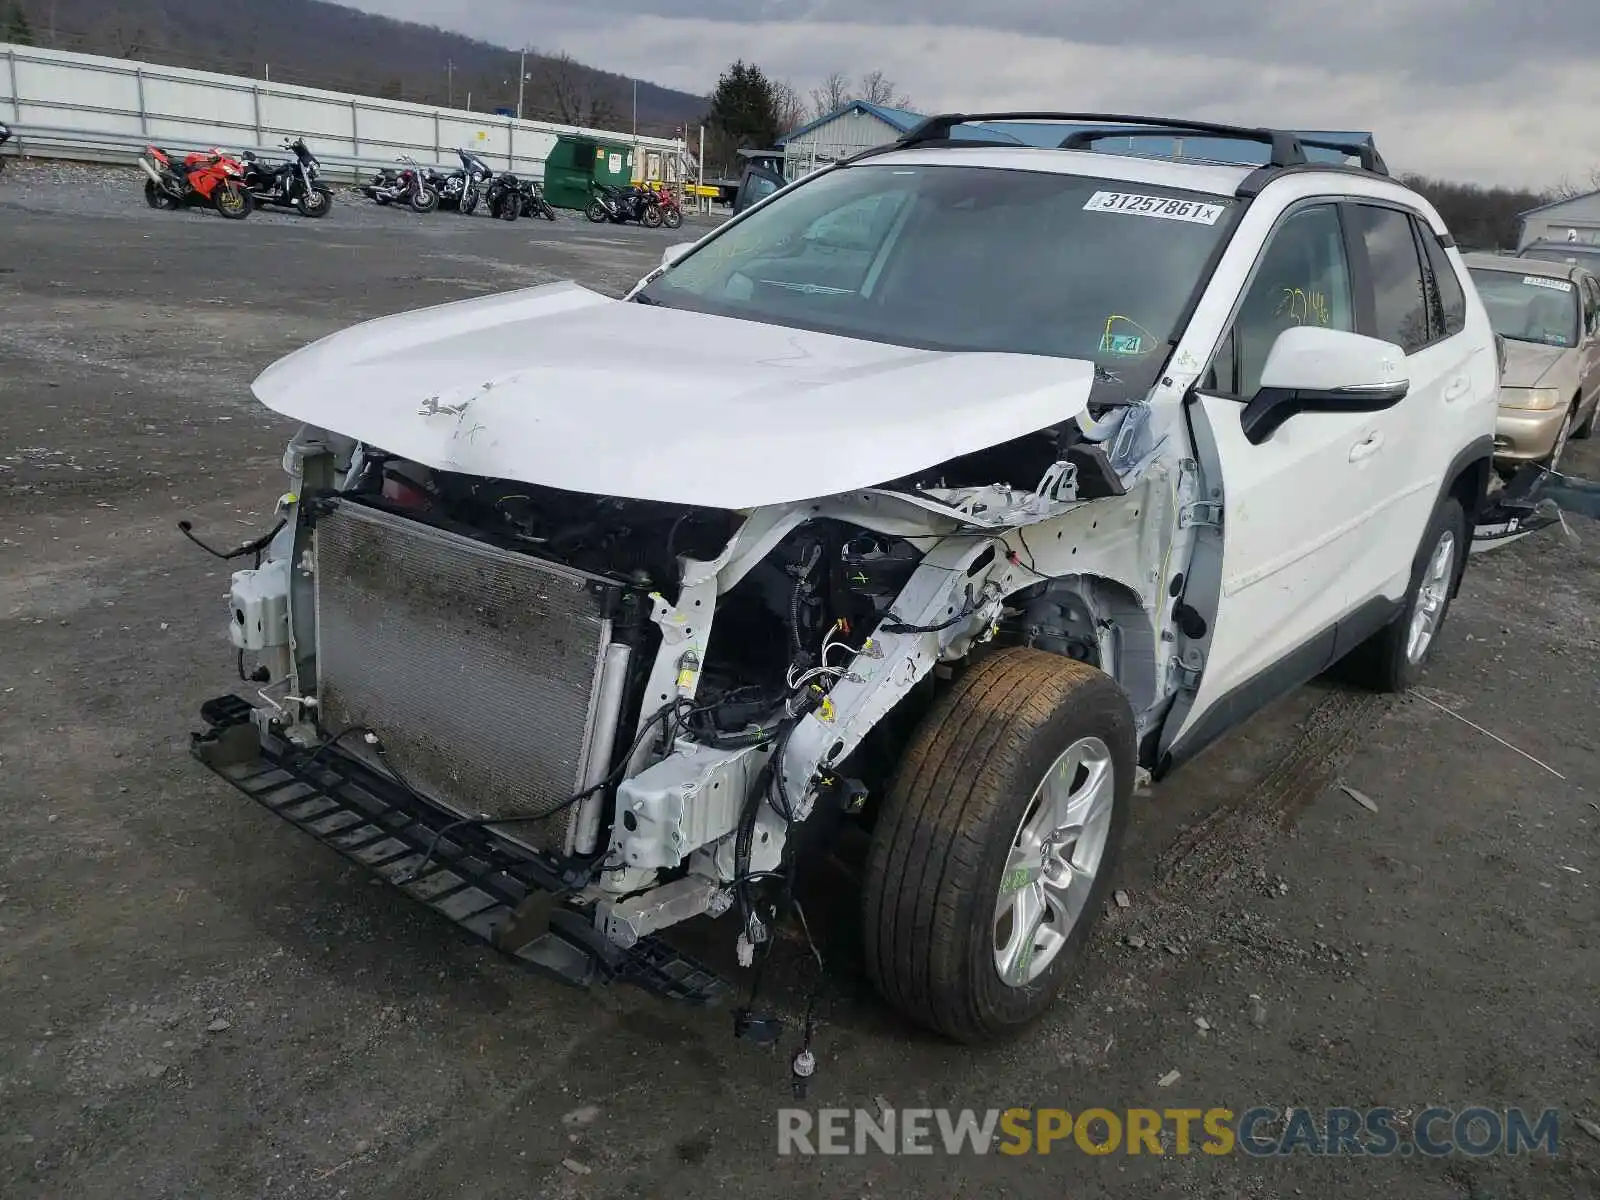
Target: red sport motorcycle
[(209, 179), (671, 210)]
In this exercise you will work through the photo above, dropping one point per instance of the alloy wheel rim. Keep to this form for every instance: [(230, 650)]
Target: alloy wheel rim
[(1055, 857), (1432, 596)]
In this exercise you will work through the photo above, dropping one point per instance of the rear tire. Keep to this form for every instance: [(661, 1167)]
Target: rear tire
[(158, 198), (951, 862), (1395, 657)]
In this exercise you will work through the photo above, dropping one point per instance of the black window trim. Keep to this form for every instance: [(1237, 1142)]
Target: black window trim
[(1366, 308), (1225, 338)]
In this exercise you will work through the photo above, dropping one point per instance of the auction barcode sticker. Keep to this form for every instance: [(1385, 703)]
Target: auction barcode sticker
[(1558, 285), (1164, 207)]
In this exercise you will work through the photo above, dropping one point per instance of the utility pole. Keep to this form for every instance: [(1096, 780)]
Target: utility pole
[(522, 75), (450, 85)]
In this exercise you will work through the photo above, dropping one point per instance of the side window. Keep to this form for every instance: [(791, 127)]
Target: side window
[(1452, 300), (1399, 296), (1301, 279)]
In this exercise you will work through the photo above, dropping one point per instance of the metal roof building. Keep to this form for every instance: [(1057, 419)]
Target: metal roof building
[(1575, 219), (848, 130), (860, 125)]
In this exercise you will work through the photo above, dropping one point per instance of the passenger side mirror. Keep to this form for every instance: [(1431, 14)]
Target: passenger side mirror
[(674, 252), (1311, 369)]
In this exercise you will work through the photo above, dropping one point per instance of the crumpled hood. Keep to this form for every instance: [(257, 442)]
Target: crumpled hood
[(1527, 363), (561, 386)]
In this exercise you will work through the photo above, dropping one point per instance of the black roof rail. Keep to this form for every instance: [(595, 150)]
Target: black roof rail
[(1287, 149)]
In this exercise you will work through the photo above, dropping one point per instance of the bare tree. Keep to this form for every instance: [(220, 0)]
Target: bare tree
[(878, 88), (573, 94), (789, 108), (832, 95)]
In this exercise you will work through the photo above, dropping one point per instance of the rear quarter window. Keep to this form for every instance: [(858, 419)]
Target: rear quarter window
[(1451, 297)]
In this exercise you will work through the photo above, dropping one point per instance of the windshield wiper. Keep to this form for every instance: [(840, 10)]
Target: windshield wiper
[(641, 298)]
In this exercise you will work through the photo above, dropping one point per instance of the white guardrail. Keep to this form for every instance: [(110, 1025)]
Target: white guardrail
[(84, 107)]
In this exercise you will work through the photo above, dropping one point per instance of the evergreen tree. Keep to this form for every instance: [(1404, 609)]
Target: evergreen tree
[(17, 29)]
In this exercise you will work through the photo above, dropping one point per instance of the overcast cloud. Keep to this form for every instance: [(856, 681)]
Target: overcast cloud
[(1486, 90)]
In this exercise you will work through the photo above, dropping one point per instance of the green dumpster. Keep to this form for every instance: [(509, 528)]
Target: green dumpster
[(574, 162)]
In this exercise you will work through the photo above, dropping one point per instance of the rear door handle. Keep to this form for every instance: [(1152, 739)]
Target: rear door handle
[(1368, 448), (1456, 390)]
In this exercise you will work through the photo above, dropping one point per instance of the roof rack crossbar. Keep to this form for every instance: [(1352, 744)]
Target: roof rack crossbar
[(1287, 149)]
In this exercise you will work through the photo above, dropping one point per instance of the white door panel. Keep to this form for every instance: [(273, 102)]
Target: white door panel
[(1292, 530)]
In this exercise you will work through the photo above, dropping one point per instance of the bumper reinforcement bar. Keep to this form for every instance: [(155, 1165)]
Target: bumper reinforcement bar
[(499, 893)]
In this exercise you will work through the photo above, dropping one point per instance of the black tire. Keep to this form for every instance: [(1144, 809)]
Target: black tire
[(651, 218), (233, 202), (380, 198), (545, 211), (596, 212), (1384, 662), (1586, 431), (316, 203), (941, 840), (424, 200), (158, 198), (469, 202), (672, 218)]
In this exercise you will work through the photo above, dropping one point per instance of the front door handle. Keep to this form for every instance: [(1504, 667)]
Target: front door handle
[(1456, 390), (1368, 448)]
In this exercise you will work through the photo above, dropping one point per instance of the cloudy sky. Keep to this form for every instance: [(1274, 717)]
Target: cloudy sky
[(1494, 91)]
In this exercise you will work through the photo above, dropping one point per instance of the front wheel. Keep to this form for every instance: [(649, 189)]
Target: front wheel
[(545, 211), (1394, 657), (672, 218), (596, 212), (424, 200), (995, 846), (510, 208), (315, 203), (233, 202), (469, 202), (651, 218)]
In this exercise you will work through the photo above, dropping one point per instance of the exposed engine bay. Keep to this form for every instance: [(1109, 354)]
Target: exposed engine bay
[(654, 698)]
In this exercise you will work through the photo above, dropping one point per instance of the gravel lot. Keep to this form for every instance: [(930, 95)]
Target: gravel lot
[(201, 1003)]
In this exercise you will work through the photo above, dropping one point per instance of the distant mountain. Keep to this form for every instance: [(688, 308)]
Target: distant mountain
[(325, 45)]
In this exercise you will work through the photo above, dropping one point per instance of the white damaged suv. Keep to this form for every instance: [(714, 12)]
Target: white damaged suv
[(946, 491)]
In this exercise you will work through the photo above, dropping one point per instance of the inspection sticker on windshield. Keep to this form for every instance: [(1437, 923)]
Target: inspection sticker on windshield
[(1557, 285), (1164, 207)]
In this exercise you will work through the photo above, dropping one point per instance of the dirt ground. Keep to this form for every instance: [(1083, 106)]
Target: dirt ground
[(197, 1001)]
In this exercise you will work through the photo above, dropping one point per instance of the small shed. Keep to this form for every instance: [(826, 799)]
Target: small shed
[(575, 162), (1575, 219)]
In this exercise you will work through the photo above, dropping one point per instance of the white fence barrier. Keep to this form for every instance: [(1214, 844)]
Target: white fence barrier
[(86, 107)]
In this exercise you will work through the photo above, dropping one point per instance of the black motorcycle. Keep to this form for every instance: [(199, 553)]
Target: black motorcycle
[(5, 136), (620, 205), (533, 202), (461, 189), (289, 184), (505, 197)]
